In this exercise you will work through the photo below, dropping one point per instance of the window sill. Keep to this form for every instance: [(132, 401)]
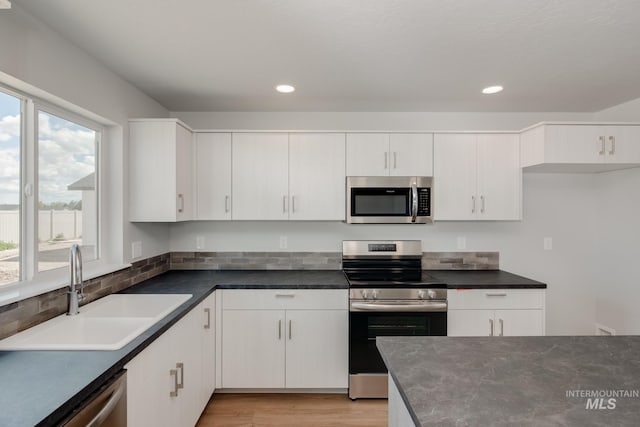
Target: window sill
[(52, 280)]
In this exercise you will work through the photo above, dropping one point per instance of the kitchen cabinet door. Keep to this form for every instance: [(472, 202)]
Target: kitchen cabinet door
[(160, 171), (317, 348), (253, 348), (186, 351), (368, 154), (148, 386), (469, 323), (622, 144), (411, 154), (519, 323), (499, 194), (575, 144), (260, 170), (206, 312), (212, 185), (455, 177), (317, 176)]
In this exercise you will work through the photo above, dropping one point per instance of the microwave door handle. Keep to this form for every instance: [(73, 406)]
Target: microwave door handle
[(414, 202)]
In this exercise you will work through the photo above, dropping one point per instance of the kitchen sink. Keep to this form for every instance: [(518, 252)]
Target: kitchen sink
[(107, 324)]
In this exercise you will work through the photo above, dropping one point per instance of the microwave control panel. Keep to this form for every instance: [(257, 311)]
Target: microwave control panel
[(424, 201)]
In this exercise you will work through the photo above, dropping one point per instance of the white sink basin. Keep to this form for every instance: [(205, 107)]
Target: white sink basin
[(107, 324)]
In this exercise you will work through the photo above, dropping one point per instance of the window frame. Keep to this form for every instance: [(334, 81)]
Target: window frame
[(32, 282)]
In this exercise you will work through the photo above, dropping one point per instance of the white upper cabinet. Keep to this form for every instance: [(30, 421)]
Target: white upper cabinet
[(260, 168), (411, 154), (280, 176), (212, 186), (317, 176), (477, 177), (580, 148), (382, 154), (160, 173)]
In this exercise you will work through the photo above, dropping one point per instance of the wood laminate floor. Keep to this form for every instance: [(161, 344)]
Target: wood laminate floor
[(289, 410)]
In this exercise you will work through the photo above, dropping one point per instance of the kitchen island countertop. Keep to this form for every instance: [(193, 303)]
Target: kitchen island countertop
[(526, 381)]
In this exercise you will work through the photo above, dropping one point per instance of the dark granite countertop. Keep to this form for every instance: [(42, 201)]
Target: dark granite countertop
[(41, 387), (525, 381), (484, 279)]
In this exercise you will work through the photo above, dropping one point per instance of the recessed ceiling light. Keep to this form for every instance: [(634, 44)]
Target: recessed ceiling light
[(492, 89), (285, 88)]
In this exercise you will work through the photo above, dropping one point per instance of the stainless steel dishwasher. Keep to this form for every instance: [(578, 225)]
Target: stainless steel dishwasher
[(107, 407)]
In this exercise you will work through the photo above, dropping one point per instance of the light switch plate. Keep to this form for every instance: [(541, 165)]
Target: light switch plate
[(547, 243), (199, 242), (462, 242)]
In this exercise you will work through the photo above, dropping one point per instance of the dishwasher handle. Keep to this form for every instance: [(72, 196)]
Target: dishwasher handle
[(108, 408)]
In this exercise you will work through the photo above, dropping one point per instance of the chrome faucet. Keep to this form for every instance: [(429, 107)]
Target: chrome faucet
[(74, 296)]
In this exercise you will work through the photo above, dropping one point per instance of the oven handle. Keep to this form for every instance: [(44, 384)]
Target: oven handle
[(376, 306)]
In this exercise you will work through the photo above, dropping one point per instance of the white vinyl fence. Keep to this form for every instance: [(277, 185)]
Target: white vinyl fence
[(52, 224)]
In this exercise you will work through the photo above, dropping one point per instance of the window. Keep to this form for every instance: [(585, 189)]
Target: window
[(10, 203), (48, 188), (67, 204)]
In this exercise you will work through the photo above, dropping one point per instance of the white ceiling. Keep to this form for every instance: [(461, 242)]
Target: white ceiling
[(362, 55)]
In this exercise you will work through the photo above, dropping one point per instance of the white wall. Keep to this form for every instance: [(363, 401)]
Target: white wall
[(37, 60)]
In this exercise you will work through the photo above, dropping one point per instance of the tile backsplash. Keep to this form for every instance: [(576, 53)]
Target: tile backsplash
[(256, 260), (20, 315), (461, 260)]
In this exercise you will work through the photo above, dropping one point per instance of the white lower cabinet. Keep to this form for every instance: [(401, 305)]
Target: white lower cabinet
[(484, 312), (165, 381), (399, 415), (285, 339)]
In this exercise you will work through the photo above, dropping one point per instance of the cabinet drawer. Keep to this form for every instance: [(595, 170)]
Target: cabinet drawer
[(496, 299), (285, 299)]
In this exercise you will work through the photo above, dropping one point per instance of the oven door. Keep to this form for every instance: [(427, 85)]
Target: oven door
[(367, 371), (364, 327)]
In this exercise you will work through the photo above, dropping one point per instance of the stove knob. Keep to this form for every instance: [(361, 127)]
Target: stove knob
[(420, 294), (375, 295), (432, 294), (363, 293)]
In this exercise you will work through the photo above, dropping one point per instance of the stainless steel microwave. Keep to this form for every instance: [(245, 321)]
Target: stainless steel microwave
[(389, 200)]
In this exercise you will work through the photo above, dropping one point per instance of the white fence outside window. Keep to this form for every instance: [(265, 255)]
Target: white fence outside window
[(52, 224)]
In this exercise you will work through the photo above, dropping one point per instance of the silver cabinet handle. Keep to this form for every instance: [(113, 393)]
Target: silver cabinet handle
[(293, 204), (496, 294), (289, 328), (395, 160), (181, 205), (180, 366), (226, 204), (501, 327), (285, 295), (208, 325), (473, 204), (386, 160), (284, 204), (602, 147), (481, 204), (174, 373), (491, 327), (612, 140), (279, 329)]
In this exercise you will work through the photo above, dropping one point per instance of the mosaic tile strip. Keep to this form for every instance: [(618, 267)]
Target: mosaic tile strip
[(461, 260)]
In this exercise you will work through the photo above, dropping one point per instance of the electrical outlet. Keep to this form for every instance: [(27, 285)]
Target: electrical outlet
[(199, 242), (283, 242), (136, 249), (462, 242), (547, 243)]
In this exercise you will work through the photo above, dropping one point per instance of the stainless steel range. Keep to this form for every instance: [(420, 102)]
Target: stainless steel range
[(389, 295)]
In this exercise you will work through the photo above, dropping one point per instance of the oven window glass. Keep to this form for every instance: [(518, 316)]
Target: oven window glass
[(380, 201)]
